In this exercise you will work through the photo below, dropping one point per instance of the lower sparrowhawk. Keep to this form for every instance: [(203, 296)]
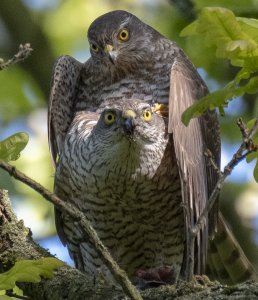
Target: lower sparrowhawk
[(134, 169)]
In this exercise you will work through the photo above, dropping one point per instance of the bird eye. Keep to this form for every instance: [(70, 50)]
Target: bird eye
[(94, 48), (109, 118), (147, 115), (123, 35)]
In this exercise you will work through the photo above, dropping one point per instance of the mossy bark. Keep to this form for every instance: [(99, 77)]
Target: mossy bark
[(16, 243)]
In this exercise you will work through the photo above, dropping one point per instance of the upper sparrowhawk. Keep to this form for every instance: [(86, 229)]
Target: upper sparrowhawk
[(142, 183)]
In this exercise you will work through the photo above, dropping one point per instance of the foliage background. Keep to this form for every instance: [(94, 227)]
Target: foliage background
[(56, 27)]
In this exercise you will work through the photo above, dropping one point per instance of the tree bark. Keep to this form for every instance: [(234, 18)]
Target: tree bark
[(16, 243)]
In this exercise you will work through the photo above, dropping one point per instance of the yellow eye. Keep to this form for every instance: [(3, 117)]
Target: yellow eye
[(94, 48), (123, 35), (147, 115), (109, 118)]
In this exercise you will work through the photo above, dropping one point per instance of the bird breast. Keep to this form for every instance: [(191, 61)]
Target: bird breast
[(117, 173)]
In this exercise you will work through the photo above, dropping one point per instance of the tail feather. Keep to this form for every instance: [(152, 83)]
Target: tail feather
[(226, 259)]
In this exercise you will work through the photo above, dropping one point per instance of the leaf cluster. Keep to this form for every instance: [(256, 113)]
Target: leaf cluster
[(232, 38)]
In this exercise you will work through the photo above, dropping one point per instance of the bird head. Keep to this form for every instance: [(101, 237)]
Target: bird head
[(119, 39), (130, 122)]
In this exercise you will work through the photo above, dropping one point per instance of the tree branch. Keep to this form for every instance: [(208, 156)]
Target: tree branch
[(246, 147), (16, 243), (80, 218), (23, 53), (23, 26)]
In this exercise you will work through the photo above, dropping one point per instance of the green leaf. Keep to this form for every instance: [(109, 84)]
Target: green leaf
[(254, 155), (219, 98), (249, 125), (250, 26), (250, 157), (234, 38), (29, 271), (11, 147), (244, 7), (5, 297), (17, 291), (190, 29), (211, 101)]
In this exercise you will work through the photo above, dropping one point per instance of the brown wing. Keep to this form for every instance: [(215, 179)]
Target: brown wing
[(61, 102), (197, 176)]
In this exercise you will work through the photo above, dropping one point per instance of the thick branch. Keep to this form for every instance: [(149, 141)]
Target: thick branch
[(16, 243), (80, 218), (68, 283)]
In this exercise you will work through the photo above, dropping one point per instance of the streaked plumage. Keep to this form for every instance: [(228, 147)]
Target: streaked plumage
[(123, 180), (141, 65)]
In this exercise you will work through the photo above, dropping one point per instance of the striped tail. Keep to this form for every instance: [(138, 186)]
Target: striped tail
[(226, 260)]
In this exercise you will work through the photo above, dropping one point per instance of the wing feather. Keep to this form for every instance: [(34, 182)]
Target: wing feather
[(65, 78), (196, 174)]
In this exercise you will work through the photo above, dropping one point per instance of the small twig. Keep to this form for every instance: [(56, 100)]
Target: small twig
[(245, 148), (88, 230), (12, 294), (211, 161), (24, 51), (244, 130), (240, 154)]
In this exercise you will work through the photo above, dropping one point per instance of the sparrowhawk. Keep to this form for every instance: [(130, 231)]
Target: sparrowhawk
[(139, 175)]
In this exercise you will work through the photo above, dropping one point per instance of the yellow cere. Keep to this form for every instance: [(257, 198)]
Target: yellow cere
[(147, 115), (129, 114), (109, 118), (123, 35), (108, 48)]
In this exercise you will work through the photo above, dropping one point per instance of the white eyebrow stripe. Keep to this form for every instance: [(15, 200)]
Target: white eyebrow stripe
[(125, 22), (92, 122)]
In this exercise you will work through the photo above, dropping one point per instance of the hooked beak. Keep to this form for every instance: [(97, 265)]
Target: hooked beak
[(129, 121), (110, 52)]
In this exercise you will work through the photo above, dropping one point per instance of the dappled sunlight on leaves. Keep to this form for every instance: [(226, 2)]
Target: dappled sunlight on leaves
[(230, 40)]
